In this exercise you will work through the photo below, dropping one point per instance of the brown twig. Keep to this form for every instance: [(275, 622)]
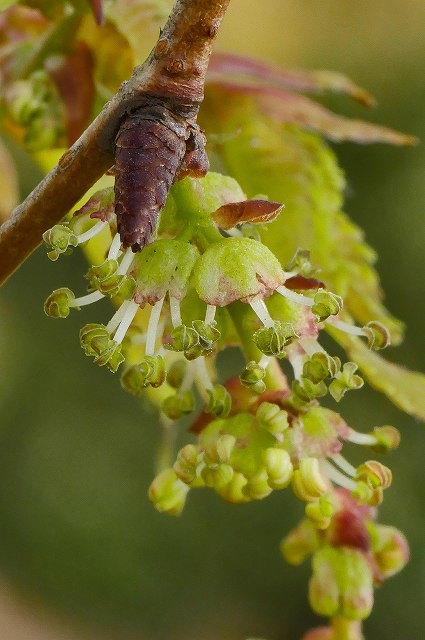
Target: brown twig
[(175, 70)]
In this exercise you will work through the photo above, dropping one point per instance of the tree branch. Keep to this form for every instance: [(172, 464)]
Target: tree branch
[(175, 71)]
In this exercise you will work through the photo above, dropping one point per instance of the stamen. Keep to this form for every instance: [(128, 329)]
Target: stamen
[(259, 307), (153, 327), (361, 438), (295, 297), (343, 464), (210, 314), (337, 477), (115, 247), (188, 378), (176, 318), (125, 262), (88, 299), (297, 363), (202, 379), (346, 327), (234, 233), (95, 229), (117, 317), (264, 362), (310, 345), (290, 274), (126, 321)]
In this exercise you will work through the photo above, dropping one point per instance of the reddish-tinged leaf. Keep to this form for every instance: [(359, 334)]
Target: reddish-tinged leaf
[(73, 76), (97, 7), (226, 64), (254, 211), (284, 106)]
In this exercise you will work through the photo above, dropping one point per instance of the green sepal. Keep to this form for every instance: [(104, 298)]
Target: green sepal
[(219, 401), (345, 380)]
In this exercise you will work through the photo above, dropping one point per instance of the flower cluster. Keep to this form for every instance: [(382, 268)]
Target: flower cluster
[(207, 282)]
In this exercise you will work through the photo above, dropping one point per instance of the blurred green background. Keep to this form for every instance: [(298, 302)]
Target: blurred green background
[(83, 553)]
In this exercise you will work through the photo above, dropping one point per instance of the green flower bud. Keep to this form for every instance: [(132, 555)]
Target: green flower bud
[(187, 463), (252, 377), (367, 495), (300, 262), (374, 474), (233, 490), (300, 543), (176, 373), (305, 390), (59, 239), (236, 269), (390, 549), (272, 340), (258, 486), (104, 278), (168, 493), (387, 439), (149, 372), (308, 483), (219, 401), (326, 304), (220, 450), (164, 265), (217, 476), (58, 304), (179, 404), (278, 467), (345, 380), (321, 511), (378, 336), (96, 342), (272, 418), (342, 583), (182, 338), (321, 366)]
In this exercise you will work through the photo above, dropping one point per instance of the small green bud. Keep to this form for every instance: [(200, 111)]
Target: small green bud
[(220, 450), (219, 401), (59, 239), (378, 336), (179, 404), (258, 486), (252, 377), (149, 372), (367, 495), (104, 278), (278, 467), (300, 543), (233, 490), (321, 366), (345, 380), (374, 474), (176, 373), (168, 493), (326, 304), (187, 463), (342, 583), (58, 304), (321, 511), (272, 418), (272, 340), (208, 334), (390, 549), (217, 476), (97, 342), (182, 338), (308, 483), (300, 262), (305, 390), (387, 439)]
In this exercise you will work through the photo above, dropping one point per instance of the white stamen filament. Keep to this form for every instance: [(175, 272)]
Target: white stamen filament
[(259, 307), (188, 377), (346, 327), (343, 464), (126, 261), (297, 364), (361, 438), (114, 249), (234, 233), (153, 327), (264, 362), (176, 318), (126, 321), (210, 314), (202, 375), (117, 317), (88, 299), (290, 274), (95, 229), (295, 297), (310, 345), (337, 477)]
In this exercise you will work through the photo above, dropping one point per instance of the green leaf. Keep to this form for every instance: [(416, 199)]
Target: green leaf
[(406, 389)]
